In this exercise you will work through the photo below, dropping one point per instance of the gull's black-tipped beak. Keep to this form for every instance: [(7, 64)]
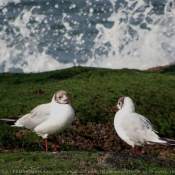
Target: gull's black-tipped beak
[(115, 107)]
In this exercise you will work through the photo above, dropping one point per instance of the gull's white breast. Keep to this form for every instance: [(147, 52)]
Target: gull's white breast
[(118, 127), (61, 117)]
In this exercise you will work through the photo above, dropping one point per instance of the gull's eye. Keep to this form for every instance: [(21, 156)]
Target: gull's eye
[(119, 103), (59, 97)]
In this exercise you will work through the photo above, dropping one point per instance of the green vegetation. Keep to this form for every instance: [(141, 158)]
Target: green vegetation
[(93, 92), (76, 162)]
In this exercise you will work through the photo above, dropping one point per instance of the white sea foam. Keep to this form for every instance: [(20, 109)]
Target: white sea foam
[(123, 45), (5, 2), (148, 48), (18, 57)]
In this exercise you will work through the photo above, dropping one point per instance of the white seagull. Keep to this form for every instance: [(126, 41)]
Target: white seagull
[(49, 119), (135, 129)]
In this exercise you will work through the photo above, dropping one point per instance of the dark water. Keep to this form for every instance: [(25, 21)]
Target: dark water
[(43, 35)]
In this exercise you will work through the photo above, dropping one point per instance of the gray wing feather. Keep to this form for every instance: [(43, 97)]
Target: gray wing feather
[(138, 128), (35, 117)]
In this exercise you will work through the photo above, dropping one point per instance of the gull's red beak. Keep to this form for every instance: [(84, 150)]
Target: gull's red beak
[(67, 100), (114, 107)]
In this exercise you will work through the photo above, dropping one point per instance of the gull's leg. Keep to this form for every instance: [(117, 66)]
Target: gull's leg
[(134, 149), (55, 145), (46, 144), (139, 150)]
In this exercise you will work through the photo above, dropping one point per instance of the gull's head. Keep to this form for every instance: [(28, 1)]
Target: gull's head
[(125, 103), (61, 97)]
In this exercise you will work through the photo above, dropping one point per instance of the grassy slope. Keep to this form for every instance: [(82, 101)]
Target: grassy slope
[(93, 92)]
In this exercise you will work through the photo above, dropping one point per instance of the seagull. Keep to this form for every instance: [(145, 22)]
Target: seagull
[(135, 129), (49, 119)]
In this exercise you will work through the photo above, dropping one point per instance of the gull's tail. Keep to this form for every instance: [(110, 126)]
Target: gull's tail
[(167, 141), (162, 140), (9, 121)]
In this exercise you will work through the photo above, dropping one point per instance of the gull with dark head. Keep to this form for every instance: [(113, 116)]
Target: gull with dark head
[(135, 129), (49, 119)]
